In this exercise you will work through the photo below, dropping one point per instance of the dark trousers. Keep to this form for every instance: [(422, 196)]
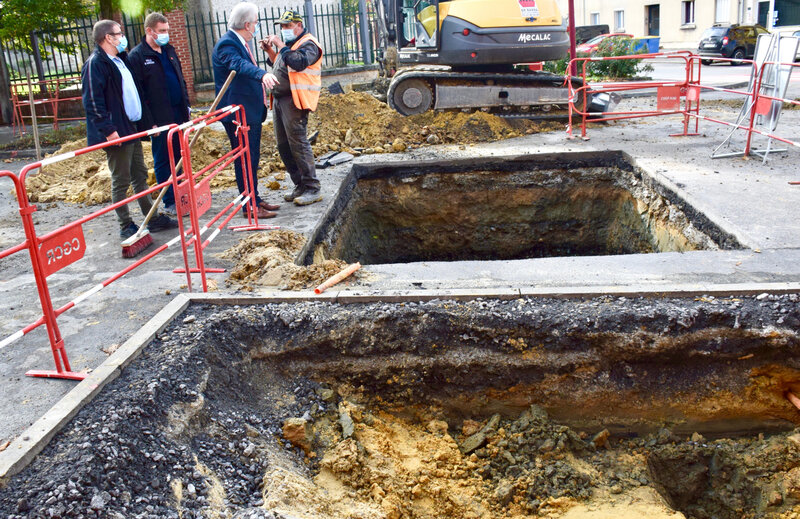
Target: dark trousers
[(127, 166), (161, 162), (290, 135), (254, 137)]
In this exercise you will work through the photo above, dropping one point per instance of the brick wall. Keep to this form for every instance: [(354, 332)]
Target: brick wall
[(179, 38)]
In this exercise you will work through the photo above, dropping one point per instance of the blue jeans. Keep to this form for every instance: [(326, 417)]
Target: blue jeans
[(161, 162)]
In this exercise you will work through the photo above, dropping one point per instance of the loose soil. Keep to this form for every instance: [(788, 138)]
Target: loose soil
[(355, 122), (267, 259), (316, 410)]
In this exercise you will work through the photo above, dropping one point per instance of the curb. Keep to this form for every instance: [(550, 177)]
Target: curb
[(26, 153), (22, 451)]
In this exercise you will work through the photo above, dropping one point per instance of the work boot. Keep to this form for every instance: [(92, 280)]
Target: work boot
[(309, 197), (297, 191), (162, 222), (128, 231)]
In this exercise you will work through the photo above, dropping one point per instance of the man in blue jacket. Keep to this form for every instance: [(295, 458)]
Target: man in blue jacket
[(156, 67), (112, 100), (248, 88)]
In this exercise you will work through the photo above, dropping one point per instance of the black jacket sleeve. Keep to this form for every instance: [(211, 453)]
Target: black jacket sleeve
[(94, 100), (300, 59)]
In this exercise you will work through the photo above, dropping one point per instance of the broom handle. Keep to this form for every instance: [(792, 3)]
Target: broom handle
[(178, 166)]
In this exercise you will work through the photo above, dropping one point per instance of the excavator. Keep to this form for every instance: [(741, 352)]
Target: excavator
[(472, 54)]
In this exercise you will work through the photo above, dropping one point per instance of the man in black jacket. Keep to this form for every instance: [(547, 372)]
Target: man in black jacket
[(112, 101), (156, 67)]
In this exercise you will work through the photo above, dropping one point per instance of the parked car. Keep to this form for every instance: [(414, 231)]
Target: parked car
[(729, 41), (590, 47)]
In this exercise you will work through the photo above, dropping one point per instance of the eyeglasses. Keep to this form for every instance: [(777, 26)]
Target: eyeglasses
[(115, 34)]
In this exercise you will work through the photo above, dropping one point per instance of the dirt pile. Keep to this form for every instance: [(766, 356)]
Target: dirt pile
[(82, 179), (87, 179), (358, 121), (267, 259)]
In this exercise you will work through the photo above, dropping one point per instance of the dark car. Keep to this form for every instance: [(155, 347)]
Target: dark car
[(729, 41)]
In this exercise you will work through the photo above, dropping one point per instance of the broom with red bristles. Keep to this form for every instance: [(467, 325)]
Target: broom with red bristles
[(137, 243)]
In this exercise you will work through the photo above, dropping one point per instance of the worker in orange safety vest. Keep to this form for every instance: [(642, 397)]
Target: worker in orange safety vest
[(296, 60)]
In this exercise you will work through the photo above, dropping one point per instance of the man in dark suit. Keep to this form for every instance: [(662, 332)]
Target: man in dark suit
[(248, 88)]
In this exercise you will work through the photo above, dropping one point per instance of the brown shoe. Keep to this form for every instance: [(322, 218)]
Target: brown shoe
[(261, 213), (269, 207)]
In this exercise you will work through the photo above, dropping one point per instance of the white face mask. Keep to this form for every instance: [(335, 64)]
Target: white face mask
[(287, 34)]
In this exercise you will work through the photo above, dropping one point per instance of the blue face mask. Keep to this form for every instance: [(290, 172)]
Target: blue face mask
[(162, 39), (287, 34), (257, 30), (123, 43)]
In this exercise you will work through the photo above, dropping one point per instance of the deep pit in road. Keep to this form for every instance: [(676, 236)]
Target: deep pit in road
[(528, 407), (505, 208)]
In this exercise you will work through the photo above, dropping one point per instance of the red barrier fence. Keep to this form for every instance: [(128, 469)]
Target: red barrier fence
[(62, 247), (680, 97), (56, 92)]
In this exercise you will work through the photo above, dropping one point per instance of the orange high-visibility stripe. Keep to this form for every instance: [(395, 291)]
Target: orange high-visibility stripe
[(306, 84)]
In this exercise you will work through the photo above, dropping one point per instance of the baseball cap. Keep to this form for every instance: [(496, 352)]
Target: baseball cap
[(289, 17)]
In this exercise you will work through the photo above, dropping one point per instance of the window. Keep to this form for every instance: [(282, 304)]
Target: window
[(722, 11), (594, 19), (687, 12), (619, 21)]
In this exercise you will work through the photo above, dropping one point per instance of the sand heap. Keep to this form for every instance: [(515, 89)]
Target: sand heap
[(267, 259), (359, 121), (82, 179)]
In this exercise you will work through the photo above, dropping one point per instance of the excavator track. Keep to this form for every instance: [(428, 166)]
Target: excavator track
[(523, 95)]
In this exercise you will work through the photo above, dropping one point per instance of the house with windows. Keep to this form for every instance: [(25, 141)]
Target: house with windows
[(679, 23)]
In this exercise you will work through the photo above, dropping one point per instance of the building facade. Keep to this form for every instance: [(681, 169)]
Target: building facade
[(680, 23)]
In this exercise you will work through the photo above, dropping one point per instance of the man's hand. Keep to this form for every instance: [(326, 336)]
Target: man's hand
[(113, 136), (264, 43), (269, 80), (275, 40)]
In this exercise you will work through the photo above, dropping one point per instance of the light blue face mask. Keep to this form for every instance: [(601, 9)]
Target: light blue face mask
[(162, 39), (123, 43), (257, 31), (287, 34)]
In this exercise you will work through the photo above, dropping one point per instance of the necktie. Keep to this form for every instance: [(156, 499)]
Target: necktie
[(253, 59)]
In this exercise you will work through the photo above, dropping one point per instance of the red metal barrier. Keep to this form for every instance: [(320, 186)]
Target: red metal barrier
[(57, 249), (669, 95), (194, 193), (56, 96), (668, 92), (41, 270)]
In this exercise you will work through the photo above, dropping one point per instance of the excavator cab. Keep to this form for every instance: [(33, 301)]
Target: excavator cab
[(420, 19)]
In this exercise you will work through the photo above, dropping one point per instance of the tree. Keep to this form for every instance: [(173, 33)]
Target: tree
[(20, 19)]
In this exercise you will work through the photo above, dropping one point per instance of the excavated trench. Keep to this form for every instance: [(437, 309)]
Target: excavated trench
[(501, 208), (599, 407)]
